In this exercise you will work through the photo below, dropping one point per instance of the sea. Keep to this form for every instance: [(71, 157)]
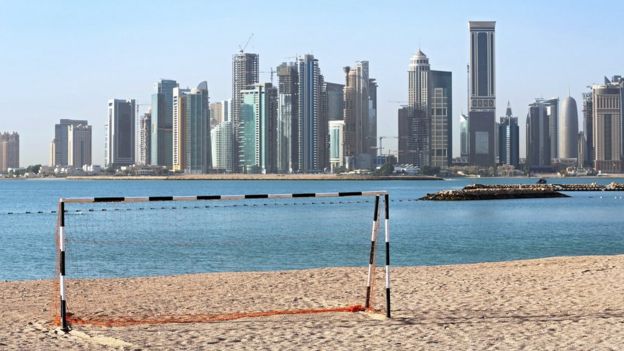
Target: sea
[(152, 239)]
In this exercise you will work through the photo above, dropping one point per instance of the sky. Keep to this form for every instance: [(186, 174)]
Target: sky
[(65, 59)]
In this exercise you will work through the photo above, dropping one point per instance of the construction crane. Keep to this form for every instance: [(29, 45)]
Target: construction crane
[(397, 102), (242, 48), (381, 138), (271, 72)]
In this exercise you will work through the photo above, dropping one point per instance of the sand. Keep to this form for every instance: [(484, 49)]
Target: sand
[(572, 303)]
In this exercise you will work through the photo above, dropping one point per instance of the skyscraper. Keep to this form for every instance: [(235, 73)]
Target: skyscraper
[(79, 145), (219, 112), (221, 138), (588, 130), (509, 139), (161, 149), (245, 73), (120, 133), (568, 129), (335, 101), (336, 144), (61, 139), (145, 134), (607, 125), (538, 145), (552, 110), (418, 112), (258, 118), (309, 125), (482, 107), (9, 151), (360, 116), (441, 112), (287, 118), (464, 140), (191, 129)]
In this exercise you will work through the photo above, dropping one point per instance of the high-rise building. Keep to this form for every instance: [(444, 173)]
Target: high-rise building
[(588, 130), (552, 110), (287, 118), (79, 142), (336, 144), (582, 150), (360, 116), (60, 142), (464, 140), (9, 151), (405, 136), (335, 101), (441, 112), (509, 139), (245, 73), (258, 118), (538, 145), (607, 121), (418, 113), (161, 149), (145, 143), (568, 129), (311, 130), (120, 133), (221, 138), (191, 129), (482, 109), (220, 112)]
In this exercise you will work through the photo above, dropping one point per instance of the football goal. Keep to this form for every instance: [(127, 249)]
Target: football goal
[(125, 261)]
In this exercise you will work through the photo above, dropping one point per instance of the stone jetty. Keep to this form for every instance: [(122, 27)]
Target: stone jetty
[(517, 191)]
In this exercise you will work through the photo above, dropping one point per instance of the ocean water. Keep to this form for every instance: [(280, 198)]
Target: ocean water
[(115, 240)]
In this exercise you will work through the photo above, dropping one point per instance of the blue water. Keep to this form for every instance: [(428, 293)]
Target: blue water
[(146, 239)]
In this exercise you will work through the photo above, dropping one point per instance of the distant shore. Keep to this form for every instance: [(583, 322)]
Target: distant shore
[(257, 177)]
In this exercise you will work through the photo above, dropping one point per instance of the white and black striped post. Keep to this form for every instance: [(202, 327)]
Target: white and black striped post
[(371, 260), (61, 263), (387, 235)]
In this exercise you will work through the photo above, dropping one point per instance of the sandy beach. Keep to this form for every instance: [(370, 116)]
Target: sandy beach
[(571, 303)]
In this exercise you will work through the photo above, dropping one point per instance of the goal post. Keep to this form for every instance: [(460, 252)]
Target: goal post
[(64, 318)]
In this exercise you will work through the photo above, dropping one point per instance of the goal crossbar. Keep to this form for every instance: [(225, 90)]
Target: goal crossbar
[(64, 321)]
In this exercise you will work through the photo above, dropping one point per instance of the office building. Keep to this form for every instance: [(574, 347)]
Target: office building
[(220, 112), (311, 129), (509, 139), (538, 146), (287, 117), (607, 125), (79, 143), (258, 121), (552, 110), (588, 130), (360, 117), (568, 129), (441, 114), (9, 151), (245, 73), (120, 134), (60, 144), (463, 136), (161, 149), (335, 101), (336, 145), (482, 109), (145, 134), (221, 138), (191, 130)]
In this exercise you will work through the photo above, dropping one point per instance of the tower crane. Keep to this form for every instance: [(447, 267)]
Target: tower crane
[(242, 48), (381, 138), (271, 72)]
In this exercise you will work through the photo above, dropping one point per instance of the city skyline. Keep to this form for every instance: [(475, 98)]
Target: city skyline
[(77, 73)]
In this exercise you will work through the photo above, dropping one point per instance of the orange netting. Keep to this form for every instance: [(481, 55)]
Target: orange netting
[(200, 318)]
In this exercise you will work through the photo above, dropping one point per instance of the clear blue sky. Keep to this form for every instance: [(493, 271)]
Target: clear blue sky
[(65, 59)]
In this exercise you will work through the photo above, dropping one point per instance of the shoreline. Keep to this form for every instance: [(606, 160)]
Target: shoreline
[(330, 177)]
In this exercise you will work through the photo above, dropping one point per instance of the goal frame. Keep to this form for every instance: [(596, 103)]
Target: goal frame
[(60, 231)]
